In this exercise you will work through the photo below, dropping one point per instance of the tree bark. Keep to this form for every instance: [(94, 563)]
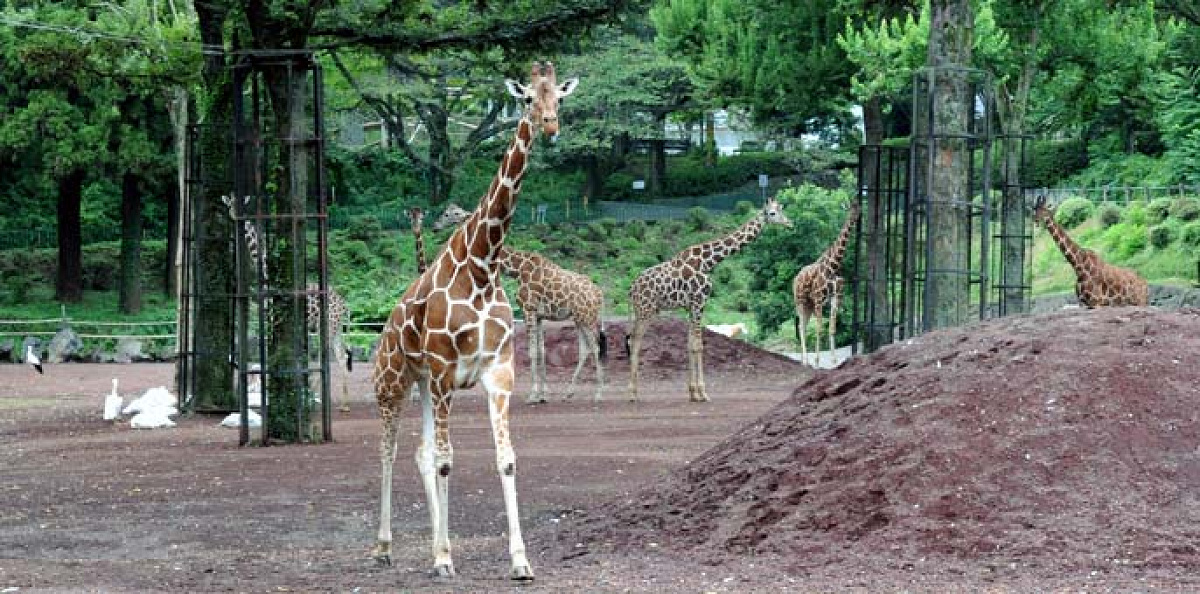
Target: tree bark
[(441, 179), (879, 316), (593, 188), (212, 324), (68, 286), (129, 297), (950, 39), (658, 156), (710, 138)]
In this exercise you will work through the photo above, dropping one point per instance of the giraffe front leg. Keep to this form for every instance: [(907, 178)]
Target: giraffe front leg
[(833, 309), (537, 362), (635, 347), (802, 332), (435, 458), (696, 391), (596, 338), (582, 339), (498, 382), (817, 336), (389, 409)]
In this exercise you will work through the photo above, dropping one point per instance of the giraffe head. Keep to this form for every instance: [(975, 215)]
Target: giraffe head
[(415, 216), (542, 96), (1041, 212), (451, 217), (772, 212), (230, 203)]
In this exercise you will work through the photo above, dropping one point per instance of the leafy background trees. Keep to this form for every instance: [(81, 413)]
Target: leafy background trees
[(89, 124)]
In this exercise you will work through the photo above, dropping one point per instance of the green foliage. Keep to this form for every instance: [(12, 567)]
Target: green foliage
[(1073, 211), (636, 230), (1109, 215), (699, 219), (743, 208), (1135, 214), (1163, 234), (1124, 239), (1053, 161), (1185, 209), (1189, 235), (1158, 210)]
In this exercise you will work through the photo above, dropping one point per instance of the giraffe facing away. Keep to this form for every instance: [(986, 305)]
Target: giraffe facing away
[(820, 284), (453, 328), (683, 283), (338, 311), (1097, 283), (550, 292)]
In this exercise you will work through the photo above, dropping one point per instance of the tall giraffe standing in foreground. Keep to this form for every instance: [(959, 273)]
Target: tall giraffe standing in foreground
[(550, 292), (682, 283), (337, 310), (820, 283), (453, 328), (1097, 283)]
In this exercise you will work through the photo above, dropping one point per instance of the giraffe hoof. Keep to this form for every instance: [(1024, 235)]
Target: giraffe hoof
[(521, 573), (444, 570), (344, 409), (699, 398), (536, 400), (382, 554)]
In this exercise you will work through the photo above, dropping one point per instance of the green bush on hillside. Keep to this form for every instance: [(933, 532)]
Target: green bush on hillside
[(1189, 235), (1109, 215), (1052, 161), (1073, 212), (1163, 234), (1158, 210), (1135, 213), (636, 229), (699, 219), (1185, 209), (743, 208)]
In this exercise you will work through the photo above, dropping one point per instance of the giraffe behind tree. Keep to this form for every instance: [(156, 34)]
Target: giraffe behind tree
[(1097, 283), (820, 283), (683, 283), (453, 328)]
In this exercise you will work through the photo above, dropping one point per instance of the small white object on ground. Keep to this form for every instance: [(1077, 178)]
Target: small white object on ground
[(235, 420)]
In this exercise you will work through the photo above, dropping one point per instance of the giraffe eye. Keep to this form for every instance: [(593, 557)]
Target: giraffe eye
[(528, 100)]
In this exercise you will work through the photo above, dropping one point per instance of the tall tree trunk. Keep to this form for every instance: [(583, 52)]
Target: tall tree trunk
[(129, 298), (710, 138), (212, 324), (441, 181), (1013, 216), (68, 285), (879, 317), (290, 411), (170, 277), (177, 110), (658, 156), (950, 40), (593, 183)]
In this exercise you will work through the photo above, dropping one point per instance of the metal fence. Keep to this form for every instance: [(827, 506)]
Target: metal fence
[(1115, 194)]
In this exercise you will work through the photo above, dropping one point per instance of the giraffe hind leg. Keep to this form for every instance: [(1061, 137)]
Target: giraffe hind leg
[(390, 400)]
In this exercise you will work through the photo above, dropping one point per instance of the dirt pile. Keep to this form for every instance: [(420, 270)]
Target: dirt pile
[(664, 351), (1067, 440)]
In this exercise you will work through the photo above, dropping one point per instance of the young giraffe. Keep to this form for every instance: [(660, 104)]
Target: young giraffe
[(682, 282), (1097, 283), (452, 329), (550, 292), (338, 310), (820, 283), (415, 216)]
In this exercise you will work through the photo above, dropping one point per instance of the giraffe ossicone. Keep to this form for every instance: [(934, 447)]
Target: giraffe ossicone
[(683, 283), (451, 329), (1097, 283), (821, 283)]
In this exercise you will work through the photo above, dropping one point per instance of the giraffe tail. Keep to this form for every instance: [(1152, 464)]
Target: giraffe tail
[(349, 360), (796, 323), (602, 343)]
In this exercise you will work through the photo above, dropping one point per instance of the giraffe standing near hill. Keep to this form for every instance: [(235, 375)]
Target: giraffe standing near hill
[(1097, 283), (820, 283), (453, 328), (337, 309), (550, 292), (683, 283)]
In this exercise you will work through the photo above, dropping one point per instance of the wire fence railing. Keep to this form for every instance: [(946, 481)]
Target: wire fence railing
[(92, 333), (1116, 194)]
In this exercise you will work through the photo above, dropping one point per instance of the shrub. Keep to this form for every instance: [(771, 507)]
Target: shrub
[(1158, 210), (1073, 212), (1053, 161), (1162, 234), (743, 208), (1135, 214), (699, 219), (1189, 235), (1185, 209), (1109, 215), (1124, 239), (636, 229), (365, 228)]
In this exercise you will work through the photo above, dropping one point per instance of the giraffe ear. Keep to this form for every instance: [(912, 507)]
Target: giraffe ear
[(567, 88), (516, 89)]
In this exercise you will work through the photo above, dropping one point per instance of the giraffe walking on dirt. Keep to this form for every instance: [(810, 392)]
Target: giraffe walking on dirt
[(550, 292), (1097, 283), (819, 284), (683, 283), (453, 328)]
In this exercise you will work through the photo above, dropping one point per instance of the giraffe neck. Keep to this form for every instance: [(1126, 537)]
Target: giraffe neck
[(485, 230), (836, 252), (1070, 250), (730, 244), (419, 248)]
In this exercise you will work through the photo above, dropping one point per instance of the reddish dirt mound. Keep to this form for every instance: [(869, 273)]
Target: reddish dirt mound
[(1054, 442), (664, 351)]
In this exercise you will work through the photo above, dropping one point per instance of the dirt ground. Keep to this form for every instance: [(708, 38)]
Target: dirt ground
[(1034, 454)]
